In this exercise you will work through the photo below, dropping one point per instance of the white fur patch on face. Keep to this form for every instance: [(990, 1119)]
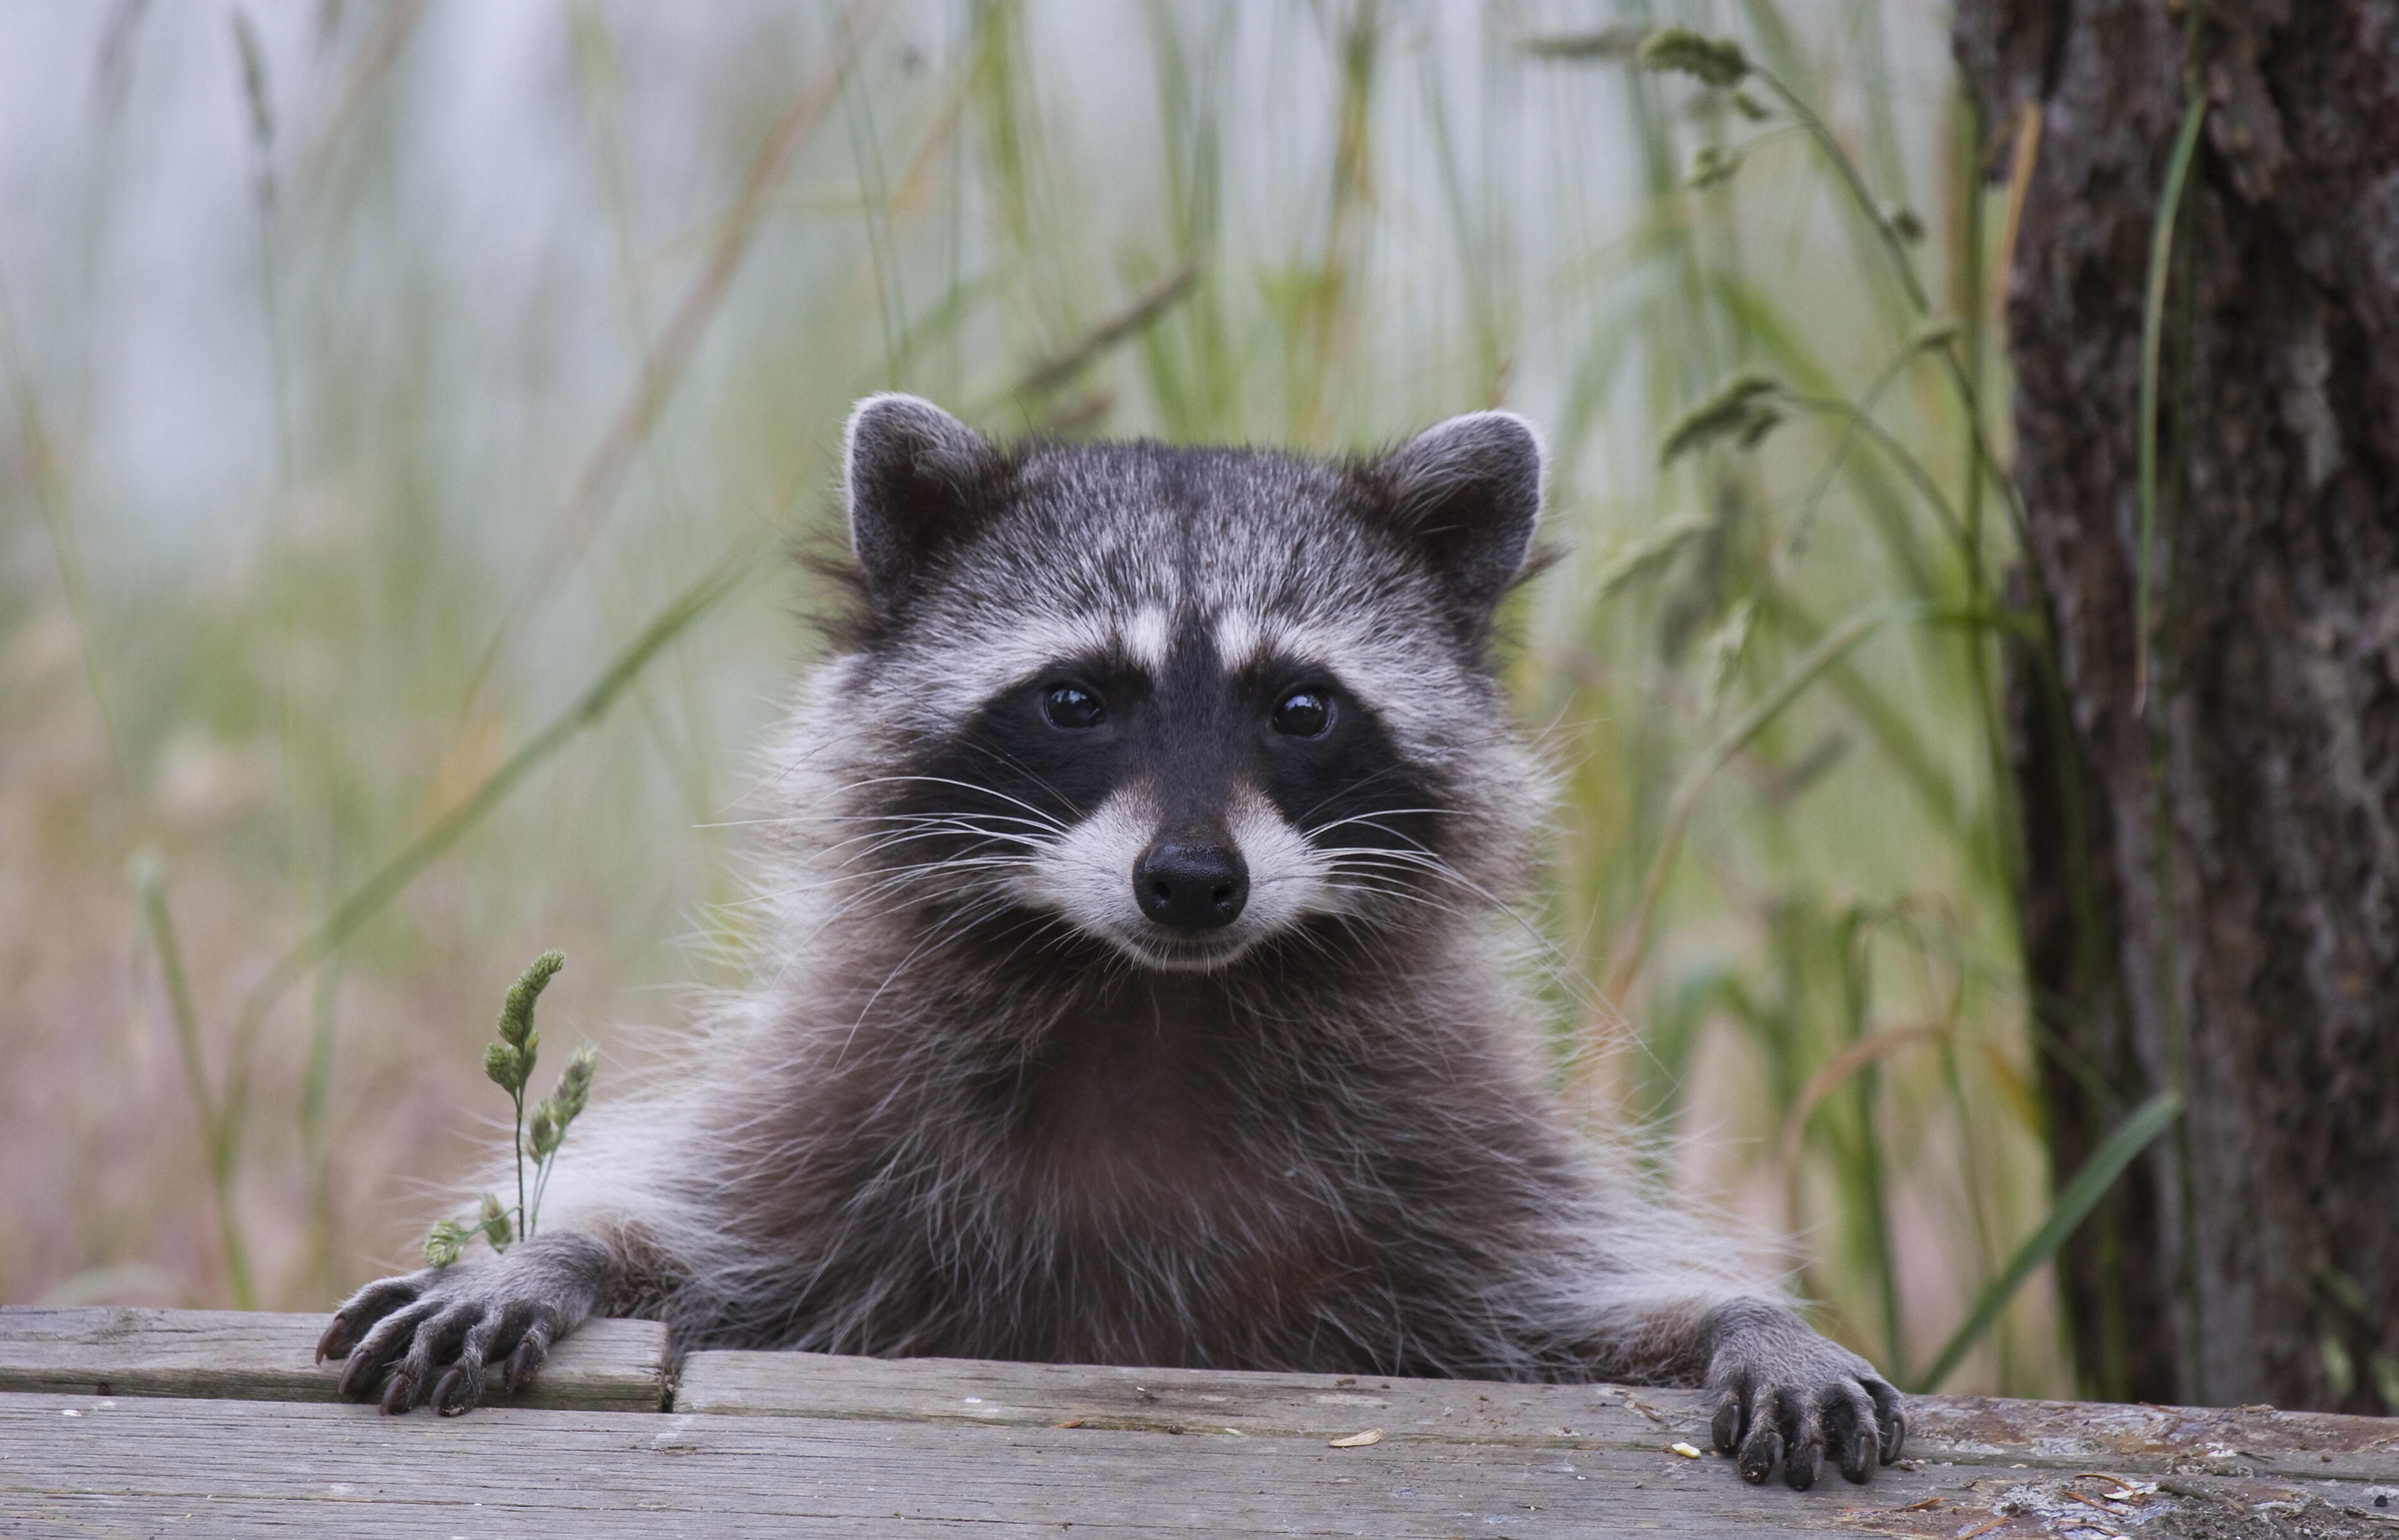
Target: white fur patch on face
[(1289, 878), (1238, 640), (1146, 637), (1086, 873), (1085, 876)]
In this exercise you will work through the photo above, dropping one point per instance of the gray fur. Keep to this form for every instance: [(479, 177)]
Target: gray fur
[(974, 1107)]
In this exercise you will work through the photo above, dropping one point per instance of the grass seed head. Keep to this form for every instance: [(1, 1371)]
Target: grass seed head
[(493, 1220), (575, 1085), (507, 1066), (1717, 61), (1742, 411), (516, 1016), (548, 1127), (441, 1246)]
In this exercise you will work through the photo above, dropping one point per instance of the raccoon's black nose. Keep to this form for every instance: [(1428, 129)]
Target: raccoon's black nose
[(1191, 887)]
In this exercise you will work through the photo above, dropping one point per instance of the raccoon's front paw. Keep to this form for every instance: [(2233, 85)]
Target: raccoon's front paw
[(1783, 1394), (428, 1336)]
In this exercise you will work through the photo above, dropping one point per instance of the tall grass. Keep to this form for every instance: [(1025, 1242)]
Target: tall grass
[(452, 651)]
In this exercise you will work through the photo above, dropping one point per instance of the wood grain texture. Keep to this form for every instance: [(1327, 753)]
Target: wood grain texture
[(1965, 1430), (100, 1466), (608, 1365), (803, 1444), (1310, 1406)]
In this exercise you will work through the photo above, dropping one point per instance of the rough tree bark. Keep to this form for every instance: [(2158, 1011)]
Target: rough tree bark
[(2212, 876)]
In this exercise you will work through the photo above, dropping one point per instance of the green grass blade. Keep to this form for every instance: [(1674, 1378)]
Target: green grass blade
[(2153, 311), (150, 883), (2074, 1203)]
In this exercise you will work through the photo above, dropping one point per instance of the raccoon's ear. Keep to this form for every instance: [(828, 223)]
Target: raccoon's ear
[(1467, 493), (916, 476)]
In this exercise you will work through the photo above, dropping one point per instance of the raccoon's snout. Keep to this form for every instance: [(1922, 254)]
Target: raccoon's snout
[(1191, 887)]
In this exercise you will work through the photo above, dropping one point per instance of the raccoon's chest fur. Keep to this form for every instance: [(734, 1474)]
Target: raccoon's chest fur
[(1161, 1179), (1139, 1089)]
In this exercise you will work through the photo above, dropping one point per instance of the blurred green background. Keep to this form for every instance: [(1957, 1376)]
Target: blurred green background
[(412, 406)]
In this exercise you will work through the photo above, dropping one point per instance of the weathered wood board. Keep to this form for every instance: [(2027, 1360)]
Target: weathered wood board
[(799, 1444), (1958, 1430), (92, 1465), (233, 1355)]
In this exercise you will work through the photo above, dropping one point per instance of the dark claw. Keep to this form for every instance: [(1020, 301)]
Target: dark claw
[(337, 1340), (1802, 1472), (1730, 1421), (1858, 1463), (528, 1356), (1890, 1413), (358, 1376), (1850, 1436), (1760, 1452), (457, 1392), (399, 1394)]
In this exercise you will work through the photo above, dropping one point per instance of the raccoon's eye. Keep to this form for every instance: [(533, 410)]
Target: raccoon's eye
[(1303, 714), (1072, 708)]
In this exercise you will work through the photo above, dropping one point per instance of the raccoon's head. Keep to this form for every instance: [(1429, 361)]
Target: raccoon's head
[(1188, 703)]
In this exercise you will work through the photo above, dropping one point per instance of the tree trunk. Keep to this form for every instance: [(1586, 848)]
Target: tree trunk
[(2210, 896)]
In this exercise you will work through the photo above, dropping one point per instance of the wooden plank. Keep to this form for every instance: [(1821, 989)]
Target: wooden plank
[(1962, 1430), (609, 1365), (1166, 1400), (118, 1467), (802, 1445)]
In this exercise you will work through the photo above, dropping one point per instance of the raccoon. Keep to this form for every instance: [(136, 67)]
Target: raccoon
[(1143, 988)]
